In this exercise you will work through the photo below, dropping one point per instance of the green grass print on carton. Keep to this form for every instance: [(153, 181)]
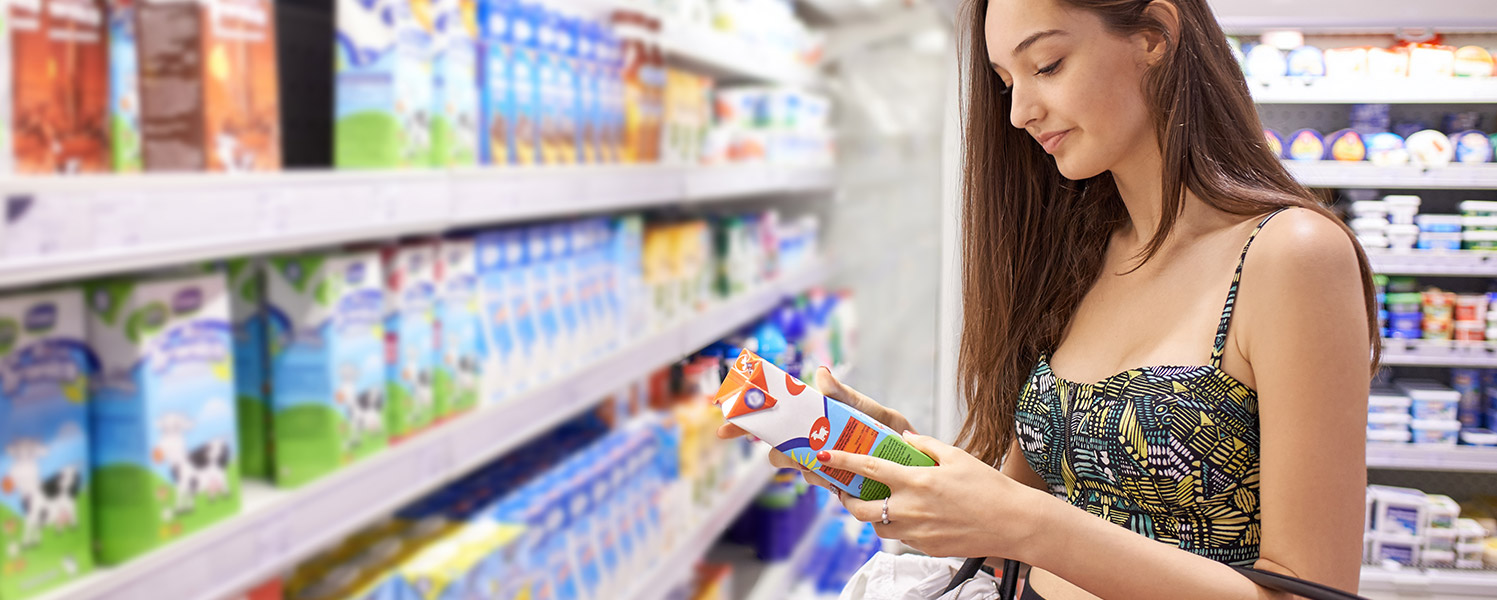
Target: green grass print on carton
[(368, 140), (307, 443), (61, 555), (131, 529)]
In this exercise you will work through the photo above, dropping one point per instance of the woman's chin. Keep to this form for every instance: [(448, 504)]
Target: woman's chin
[(1074, 171)]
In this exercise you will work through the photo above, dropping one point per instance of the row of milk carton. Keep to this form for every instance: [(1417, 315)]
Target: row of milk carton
[(465, 82), (130, 407)]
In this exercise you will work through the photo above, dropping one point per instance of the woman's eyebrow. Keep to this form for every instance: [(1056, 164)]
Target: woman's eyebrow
[(1035, 37)]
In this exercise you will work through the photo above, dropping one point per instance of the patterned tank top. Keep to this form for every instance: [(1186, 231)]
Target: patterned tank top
[(1167, 452)]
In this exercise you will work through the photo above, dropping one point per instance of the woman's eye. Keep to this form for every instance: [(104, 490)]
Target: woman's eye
[(1049, 69)]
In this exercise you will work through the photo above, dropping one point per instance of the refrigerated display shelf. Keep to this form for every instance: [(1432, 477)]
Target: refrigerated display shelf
[(1336, 174), (1433, 584), (1457, 263), (1439, 353), (675, 567), (278, 527), (728, 57), (777, 579), (1375, 91), (1419, 457), (61, 228)]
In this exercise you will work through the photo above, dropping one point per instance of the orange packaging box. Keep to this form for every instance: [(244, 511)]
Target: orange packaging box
[(59, 86), (209, 94)]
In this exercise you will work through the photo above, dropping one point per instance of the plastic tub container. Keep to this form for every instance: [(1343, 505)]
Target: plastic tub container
[(1402, 236), (1405, 321), (1479, 437), (1399, 511), (1439, 223), (1373, 240), (1388, 402), (1439, 304), (1443, 511), (1470, 331), (1405, 302), (1482, 223), (1370, 209), (1471, 307), (1479, 208), (1369, 224), (1437, 558), (1439, 242), (1431, 400), (1435, 433), (1402, 285), (1479, 240), (1388, 422), (1401, 549), (1402, 436)]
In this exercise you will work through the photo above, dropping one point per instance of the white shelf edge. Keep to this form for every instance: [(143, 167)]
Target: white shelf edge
[(1459, 263), (1439, 353), (100, 225), (279, 527), (777, 579), (1418, 457), (725, 56), (674, 567), (1337, 174), (1410, 90), (1429, 583)]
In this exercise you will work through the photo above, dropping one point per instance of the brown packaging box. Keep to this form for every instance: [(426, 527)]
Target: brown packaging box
[(60, 86), (208, 85)]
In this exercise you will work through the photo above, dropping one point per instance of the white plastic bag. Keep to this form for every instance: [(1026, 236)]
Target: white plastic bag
[(915, 577)]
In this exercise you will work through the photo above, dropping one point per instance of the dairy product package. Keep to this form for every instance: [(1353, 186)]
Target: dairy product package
[(209, 96), (799, 421), (410, 332), (508, 331), (525, 85), (124, 90), (455, 117), (166, 452), (326, 340), (383, 84), (46, 497), (570, 350), (496, 100), (60, 86), (459, 333), (246, 289), (550, 343)]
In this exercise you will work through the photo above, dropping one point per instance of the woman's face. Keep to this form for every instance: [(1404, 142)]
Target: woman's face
[(1076, 87)]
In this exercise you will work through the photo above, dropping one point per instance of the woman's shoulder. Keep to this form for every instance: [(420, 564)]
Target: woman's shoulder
[(1302, 248)]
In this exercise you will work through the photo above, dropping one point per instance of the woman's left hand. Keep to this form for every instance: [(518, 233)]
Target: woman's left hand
[(962, 507)]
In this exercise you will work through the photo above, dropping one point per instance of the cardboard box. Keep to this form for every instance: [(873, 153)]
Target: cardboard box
[(60, 86)]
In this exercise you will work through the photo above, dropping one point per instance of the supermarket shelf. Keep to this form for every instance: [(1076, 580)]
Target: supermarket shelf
[(1384, 582), (726, 57), (776, 580), (1448, 263), (1416, 457), (279, 527), (675, 567), (1376, 91), (1439, 353), (1334, 174), (62, 228)]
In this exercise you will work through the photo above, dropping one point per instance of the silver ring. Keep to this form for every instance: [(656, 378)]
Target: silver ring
[(886, 510)]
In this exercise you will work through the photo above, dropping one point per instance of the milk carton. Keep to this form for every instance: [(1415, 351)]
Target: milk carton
[(525, 84), (60, 81), (208, 85), (550, 343), (571, 350), (45, 508), (797, 420), (496, 101), (459, 333), (166, 451), (246, 289), (455, 115), (327, 358), (382, 98), (507, 328), (124, 91), (410, 335), (629, 293)]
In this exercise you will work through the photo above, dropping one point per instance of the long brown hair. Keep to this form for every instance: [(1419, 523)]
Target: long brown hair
[(1033, 241)]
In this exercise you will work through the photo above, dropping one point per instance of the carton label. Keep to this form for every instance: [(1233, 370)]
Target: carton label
[(410, 332)]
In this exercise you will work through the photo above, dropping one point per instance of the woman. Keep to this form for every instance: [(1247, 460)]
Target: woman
[(1108, 225)]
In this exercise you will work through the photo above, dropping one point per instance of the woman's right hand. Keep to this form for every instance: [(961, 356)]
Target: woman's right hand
[(834, 389)]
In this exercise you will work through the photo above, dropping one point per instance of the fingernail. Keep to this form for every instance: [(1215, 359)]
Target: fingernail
[(907, 432), (824, 456)]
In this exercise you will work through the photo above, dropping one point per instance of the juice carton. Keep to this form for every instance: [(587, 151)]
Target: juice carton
[(525, 84), (564, 38), (588, 93), (410, 332), (548, 80), (799, 421), (382, 98), (59, 86), (629, 290), (166, 452), (455, 87), (208, 85), (45, 498), (124, 90), (613, 102), (497, 310), (246, 288), (326, 335), (496, 96), (459, 332)]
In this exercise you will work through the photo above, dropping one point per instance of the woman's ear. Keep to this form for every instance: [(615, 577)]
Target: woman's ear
[(1155, 42)]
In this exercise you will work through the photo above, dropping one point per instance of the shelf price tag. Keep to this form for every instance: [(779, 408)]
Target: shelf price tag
[(37, 226)]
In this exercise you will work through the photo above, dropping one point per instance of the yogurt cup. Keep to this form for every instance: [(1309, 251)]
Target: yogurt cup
[(1439, 433), (1388, 422), (1402, 436), (1439, 223), (1479, 437), (1402, 236), (1372, 209), (1386, 401)]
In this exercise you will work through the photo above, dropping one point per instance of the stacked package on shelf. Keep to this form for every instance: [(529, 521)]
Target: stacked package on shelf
[(1439, 314), (1405, 309), (1479, 225), (1434, 410), (780, 125), (1408, 527)]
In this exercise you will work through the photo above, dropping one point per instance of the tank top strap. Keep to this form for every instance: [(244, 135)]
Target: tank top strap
[(1219, 346)]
